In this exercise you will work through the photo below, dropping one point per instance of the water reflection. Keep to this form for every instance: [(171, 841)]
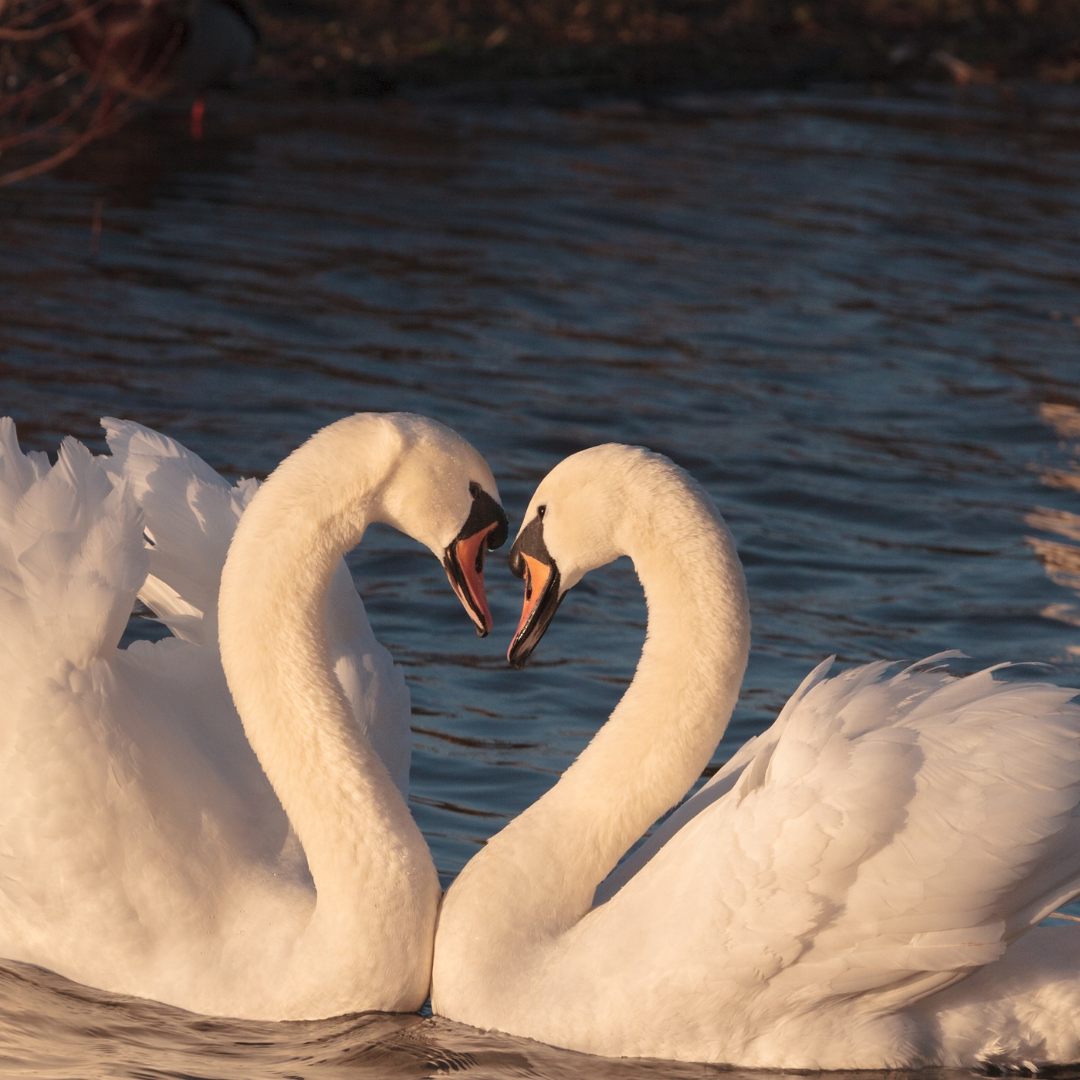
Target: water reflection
[(1061, 560), (54, 1028)]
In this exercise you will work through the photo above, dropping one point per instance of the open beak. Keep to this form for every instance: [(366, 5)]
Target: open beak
[(529, 559), (464, 558)]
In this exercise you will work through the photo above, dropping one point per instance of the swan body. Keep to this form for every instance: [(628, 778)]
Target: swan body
[(256, 860), (859, 887)]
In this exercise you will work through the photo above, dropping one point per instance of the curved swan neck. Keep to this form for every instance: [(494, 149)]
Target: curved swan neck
[(347, 813), (546, 864)]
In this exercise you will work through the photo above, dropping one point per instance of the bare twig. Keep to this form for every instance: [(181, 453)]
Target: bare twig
[(106, 120), (37, 11), (51, 107), (42, 130), (36, 89), (39, 33)]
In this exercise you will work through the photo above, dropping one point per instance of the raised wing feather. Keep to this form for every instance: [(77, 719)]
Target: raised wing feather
[(884, 838), (190, 515), (969, 791)]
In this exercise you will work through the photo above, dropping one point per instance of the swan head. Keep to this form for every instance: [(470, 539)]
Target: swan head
[(441, 492), (576, 522)]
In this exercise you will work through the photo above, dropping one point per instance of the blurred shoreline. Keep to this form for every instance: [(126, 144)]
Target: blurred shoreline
[(555, 53), (555, 49)]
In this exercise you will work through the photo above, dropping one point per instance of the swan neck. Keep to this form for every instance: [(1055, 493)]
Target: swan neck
[(663, 732), (351, 820), (543, 869)]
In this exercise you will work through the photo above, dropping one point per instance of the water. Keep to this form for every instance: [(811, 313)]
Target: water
[(855, 319)]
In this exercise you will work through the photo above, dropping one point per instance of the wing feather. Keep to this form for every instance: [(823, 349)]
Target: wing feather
[(884, 838), (191, 514)]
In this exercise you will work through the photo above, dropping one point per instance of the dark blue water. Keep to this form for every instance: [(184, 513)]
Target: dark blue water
[(855, 319)]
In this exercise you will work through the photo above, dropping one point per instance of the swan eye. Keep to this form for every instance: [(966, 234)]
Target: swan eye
[(474, 488), (541, 511)]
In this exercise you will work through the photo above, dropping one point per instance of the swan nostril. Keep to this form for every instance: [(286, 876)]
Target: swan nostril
[(516, 562)]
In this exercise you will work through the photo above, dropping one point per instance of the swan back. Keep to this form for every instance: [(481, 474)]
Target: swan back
[(105, 780)]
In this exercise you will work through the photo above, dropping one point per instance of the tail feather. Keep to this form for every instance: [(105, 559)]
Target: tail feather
[(17, 471), (71, 554)]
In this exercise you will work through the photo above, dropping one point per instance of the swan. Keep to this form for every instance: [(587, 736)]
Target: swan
[(259, 862), (859, 887)]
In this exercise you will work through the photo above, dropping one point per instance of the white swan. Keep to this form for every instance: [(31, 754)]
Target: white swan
[(852, 890), (149, 842)]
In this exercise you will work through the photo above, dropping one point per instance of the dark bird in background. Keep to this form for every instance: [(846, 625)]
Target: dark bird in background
[(151, 48)]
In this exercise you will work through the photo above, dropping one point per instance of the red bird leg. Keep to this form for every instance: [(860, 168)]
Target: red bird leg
[(198, 111)]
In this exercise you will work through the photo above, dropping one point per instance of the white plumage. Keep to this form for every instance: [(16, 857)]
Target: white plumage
[(892, 834), (151, 842)]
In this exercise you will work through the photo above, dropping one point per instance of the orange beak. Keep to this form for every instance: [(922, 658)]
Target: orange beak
[(464, 564), (530, 559), (537, 575)]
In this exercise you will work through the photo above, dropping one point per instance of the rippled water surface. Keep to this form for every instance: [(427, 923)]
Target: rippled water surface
[(855, 319)]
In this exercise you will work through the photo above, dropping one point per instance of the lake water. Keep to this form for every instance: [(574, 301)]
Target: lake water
[(854, 318)]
